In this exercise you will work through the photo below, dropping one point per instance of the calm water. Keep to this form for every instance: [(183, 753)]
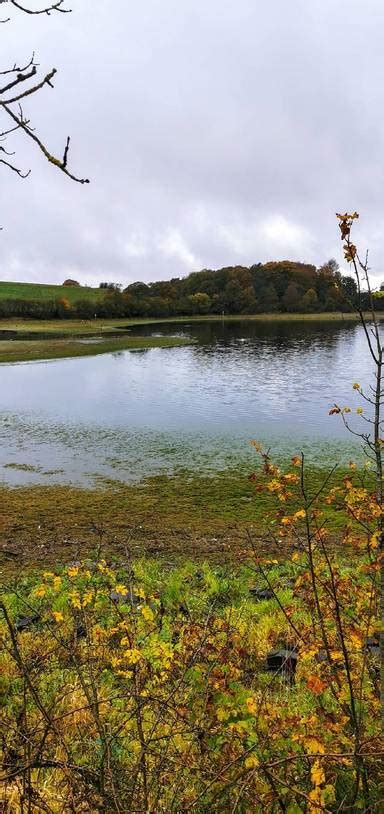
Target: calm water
[(126, 415)]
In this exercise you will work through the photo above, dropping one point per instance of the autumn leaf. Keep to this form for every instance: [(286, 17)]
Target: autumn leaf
[(251, 762), (315, 684), (314, 746), (299, 514), (317, 774), (251, 705)]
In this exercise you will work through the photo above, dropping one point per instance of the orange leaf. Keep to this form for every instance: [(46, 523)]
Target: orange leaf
[(315, 684)]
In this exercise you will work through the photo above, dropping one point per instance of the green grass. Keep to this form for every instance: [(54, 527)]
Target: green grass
[(33, 350), (44, 293)]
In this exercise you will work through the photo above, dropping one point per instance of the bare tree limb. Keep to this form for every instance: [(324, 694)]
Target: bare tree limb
[(47, 10), (22, 76)]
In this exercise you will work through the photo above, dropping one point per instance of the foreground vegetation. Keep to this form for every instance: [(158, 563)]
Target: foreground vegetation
[(130, 685)]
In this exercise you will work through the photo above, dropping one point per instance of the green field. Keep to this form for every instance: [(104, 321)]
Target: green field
[(44, 293)]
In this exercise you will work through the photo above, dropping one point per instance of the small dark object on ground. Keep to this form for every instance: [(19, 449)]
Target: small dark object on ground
[(127, 598), (261, 593), (284, 662), (372, 646), (24, 622), (184, 610)]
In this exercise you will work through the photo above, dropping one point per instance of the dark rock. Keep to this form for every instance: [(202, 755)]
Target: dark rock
[(261, 593), (283, 661), (24, 622), (372, 646), (183, 609), (126, 598)]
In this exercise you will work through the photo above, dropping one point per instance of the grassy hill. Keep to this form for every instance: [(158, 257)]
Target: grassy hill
[(42, 292)]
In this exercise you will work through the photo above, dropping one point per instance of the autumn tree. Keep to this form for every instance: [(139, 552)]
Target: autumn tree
[(310, 300), (21, 81)]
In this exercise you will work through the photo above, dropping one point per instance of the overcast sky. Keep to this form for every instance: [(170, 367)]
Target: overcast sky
[(214, 132)]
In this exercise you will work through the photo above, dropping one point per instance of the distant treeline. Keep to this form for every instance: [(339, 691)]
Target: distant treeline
[(275, 287)]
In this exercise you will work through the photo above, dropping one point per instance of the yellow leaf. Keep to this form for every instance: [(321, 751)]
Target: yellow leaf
[(251, 705), (147, 613), (132, 656), (314, 746), (299, 514), (251, 762), (316, 796), (121, 589), (317, 774), (374, 540), (40, 591), (58, 616)]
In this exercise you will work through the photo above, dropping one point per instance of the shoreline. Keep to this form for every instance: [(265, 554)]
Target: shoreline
[(40, 340), (20, 350)]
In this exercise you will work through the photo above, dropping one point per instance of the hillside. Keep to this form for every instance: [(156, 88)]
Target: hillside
[(48, 293)]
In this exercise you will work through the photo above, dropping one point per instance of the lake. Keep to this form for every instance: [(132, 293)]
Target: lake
[(127, 415)]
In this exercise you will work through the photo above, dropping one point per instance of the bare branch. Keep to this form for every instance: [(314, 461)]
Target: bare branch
[(19, 76), (15, 169), (46, 81), (56, 161), (17, 69), (58, 6)]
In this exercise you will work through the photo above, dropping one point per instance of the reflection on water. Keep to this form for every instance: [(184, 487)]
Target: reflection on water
[(129, 414)]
